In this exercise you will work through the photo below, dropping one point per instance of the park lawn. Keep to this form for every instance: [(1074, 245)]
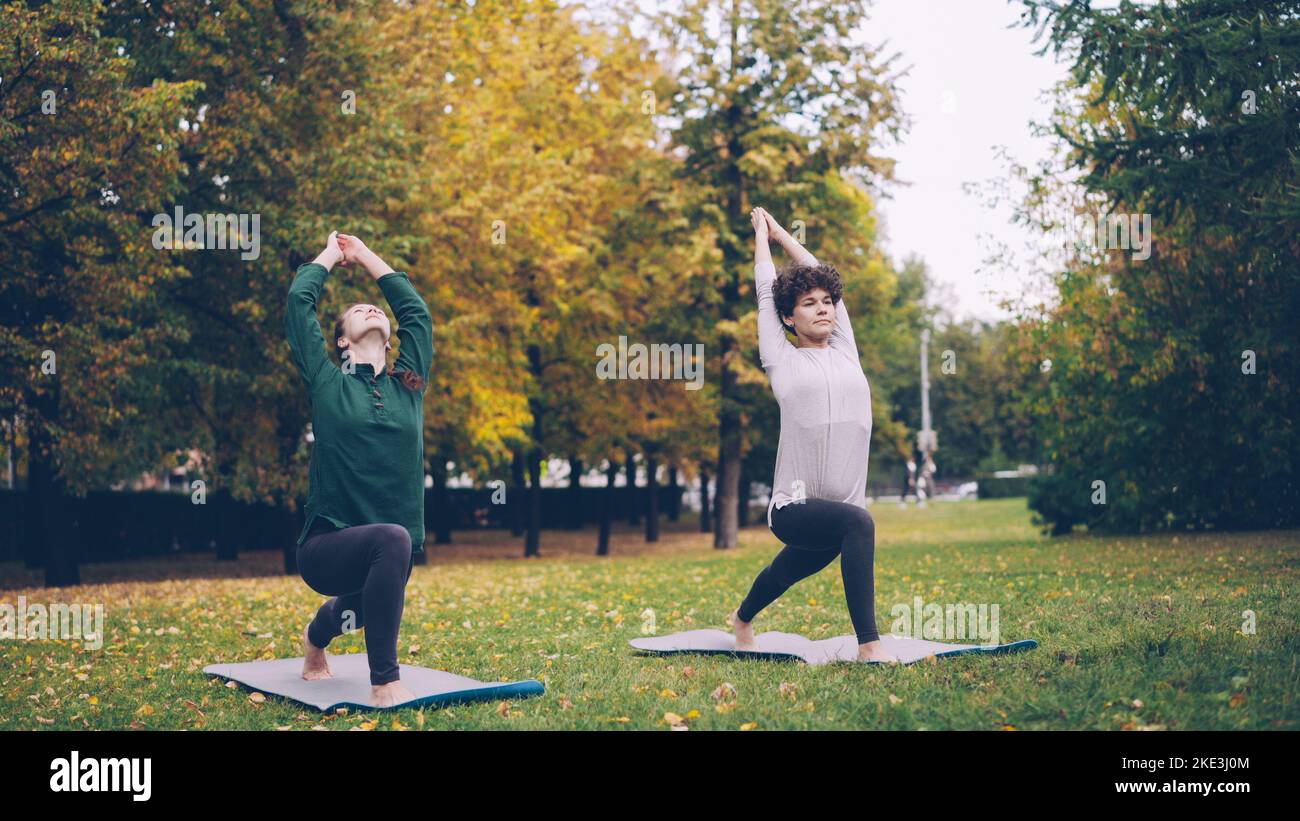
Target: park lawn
[(1135, 633)]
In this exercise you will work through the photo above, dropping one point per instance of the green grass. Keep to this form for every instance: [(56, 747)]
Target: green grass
[(1134, 633)]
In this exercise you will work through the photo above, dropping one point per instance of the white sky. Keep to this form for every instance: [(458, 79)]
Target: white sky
[(974, 84)]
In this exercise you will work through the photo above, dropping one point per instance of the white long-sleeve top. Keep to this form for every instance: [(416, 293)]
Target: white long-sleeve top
[(825, 405)]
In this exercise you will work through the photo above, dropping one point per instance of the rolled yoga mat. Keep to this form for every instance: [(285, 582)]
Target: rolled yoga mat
[(350, 686), (790, 646)]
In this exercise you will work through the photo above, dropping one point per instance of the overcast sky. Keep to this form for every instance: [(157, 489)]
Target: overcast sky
[(974, 84)]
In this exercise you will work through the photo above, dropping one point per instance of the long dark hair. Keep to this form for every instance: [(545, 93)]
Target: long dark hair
[(409, 379)]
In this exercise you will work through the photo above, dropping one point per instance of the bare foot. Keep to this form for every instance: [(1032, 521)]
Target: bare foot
[(744, 631), (386, 695), (875, 651), (314, 665)]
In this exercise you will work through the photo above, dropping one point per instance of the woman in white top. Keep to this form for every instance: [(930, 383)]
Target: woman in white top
[(818, 506)]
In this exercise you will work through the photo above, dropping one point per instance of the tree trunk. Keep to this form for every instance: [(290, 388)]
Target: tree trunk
[(292, 527), (58, 538), (706, 524), (31, 547), (575, 512), (50, 504), (442, 513), (633, 508), (652, 501), (742, 498), (533, 542), (607, 508), (516, 503), (11, 436), (726, 523), (675, 497), (725, 532), (225, 516)]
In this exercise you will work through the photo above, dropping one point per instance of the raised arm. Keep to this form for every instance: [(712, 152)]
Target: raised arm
[(773, 346), (791, 245), (842, 333), (414, 322), (301, 326)]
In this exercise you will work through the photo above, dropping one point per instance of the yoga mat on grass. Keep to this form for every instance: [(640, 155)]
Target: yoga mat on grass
[(350, 686), (791, 646)]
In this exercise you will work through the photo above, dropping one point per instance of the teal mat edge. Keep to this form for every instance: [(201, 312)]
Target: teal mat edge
[(754, 654), (1012, 647), (514, 689)]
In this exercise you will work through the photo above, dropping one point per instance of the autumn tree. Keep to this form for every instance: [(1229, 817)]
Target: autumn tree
[(1169, 372), (81, 316)]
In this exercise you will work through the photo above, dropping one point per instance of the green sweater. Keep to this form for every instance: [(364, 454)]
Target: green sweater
[(367, 463)]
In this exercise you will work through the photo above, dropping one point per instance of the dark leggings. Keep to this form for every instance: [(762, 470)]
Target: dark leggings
[(815, 531), (365, 568)]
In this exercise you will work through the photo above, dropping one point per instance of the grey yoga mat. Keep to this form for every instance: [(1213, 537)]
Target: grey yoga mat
[(790, 646), (350, 686)]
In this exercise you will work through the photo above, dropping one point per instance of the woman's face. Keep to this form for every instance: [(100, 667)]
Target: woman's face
[(361, 320), (814, 315)]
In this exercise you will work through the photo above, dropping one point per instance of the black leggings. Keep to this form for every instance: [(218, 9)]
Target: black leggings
[(815, 531), (365, 568)]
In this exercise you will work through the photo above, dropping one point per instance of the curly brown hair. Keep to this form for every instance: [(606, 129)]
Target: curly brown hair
[(409, 379), (797, 280)]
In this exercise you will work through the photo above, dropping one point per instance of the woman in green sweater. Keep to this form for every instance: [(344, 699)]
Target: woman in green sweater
[(365, 509)]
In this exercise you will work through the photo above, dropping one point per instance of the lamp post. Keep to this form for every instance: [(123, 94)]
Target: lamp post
[(926, 440)]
